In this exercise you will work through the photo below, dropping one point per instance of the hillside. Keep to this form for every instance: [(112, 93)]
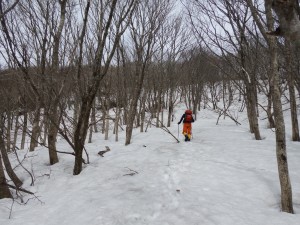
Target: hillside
[(222, 177)]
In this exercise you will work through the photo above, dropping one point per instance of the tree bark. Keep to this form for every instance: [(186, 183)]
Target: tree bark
[(285, 184), (52, 135), (9, 170), (4, 190), (24, 130), (35, 128), (290, 80)]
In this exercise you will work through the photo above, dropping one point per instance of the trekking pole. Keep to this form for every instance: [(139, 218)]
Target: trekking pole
[(178, 132)]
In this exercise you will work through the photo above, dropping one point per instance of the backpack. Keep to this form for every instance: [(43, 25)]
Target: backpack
[(188, 116)]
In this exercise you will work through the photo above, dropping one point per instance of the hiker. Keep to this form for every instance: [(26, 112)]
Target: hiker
[(187, 124)]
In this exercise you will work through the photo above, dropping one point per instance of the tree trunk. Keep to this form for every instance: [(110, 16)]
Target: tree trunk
[(4, 190), (143, 111), (285, 184), (24, 130), (35, 128), (118, 111), (269, 109), (106, 125), (251, 111), (81, 131), (9, 170), (17, 126), (52, 133), (293, 104), (8, 133), (130, 119), (170, 107), (253, 105)]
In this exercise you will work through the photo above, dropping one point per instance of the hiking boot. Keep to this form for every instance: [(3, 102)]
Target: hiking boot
[(186, 138)]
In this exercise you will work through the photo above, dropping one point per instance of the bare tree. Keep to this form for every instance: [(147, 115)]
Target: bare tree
[(285, 184), (148, 17), (112, 22), (222, 26)]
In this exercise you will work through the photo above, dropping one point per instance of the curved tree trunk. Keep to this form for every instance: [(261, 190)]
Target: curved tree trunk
[(9, 170)]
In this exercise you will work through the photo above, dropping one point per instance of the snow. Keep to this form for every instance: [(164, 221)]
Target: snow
[(222, 177)]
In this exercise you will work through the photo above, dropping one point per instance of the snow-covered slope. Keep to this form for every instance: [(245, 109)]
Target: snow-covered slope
[(222, 177)]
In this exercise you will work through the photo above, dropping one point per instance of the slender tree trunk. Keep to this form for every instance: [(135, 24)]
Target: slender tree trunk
[(253, 111), (17, 126), (269, 108), (143, 111), (24, 130), (45, 125), (106, 125), (118, 111), (170, 107), (91, 134), (8, 133), (293, 104), (35, 128), (93, 117), (285, 184)]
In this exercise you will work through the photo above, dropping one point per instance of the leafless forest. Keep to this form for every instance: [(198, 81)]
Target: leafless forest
[(66, 64)]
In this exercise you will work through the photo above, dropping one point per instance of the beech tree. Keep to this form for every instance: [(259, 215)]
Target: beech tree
[(113, 19), (283, 171)]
